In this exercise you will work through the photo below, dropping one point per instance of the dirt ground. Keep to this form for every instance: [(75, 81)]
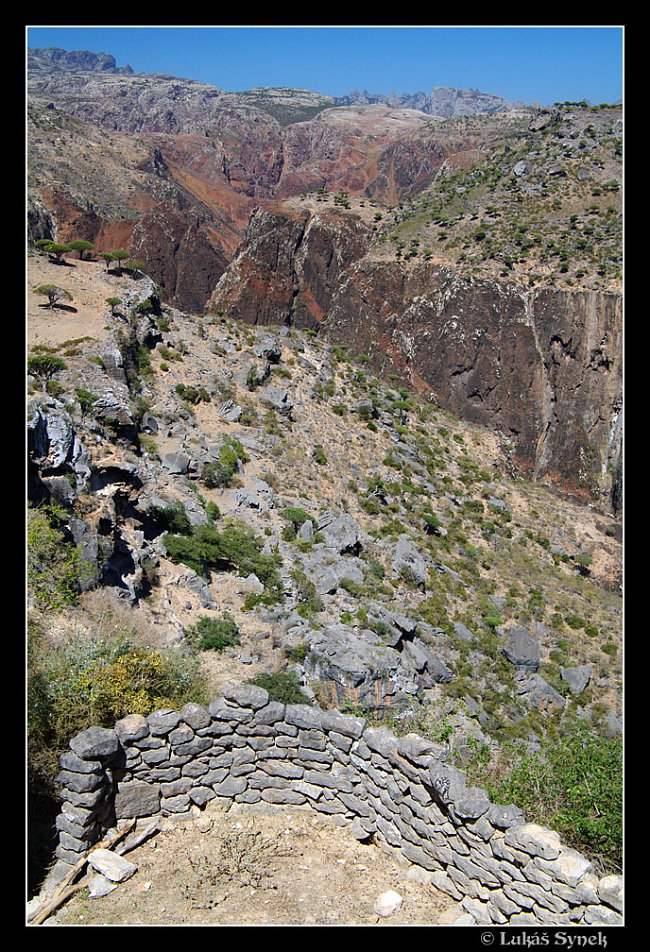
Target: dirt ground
[(280, 867)]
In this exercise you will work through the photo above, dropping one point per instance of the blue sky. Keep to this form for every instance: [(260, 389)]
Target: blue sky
[(542, 64)]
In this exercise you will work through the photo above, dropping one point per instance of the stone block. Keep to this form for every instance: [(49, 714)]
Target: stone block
[(136, 798)]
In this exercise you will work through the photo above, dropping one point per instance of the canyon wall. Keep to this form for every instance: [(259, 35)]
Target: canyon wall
[(542, 367)]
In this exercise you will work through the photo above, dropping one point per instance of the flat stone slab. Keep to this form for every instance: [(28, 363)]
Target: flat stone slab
[(110, 865)]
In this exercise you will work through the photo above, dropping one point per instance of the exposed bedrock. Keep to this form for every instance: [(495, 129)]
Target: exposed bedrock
[(543, 367)]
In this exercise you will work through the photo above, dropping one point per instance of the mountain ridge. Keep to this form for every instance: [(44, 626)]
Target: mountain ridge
[(449, 100)]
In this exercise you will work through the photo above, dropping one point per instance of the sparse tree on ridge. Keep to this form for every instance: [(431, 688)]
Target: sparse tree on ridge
[(80, 246), (53, 293)]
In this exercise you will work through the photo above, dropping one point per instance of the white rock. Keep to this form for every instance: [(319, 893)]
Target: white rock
[(610, 890), (388, 903), (110, 865), (100, 886)]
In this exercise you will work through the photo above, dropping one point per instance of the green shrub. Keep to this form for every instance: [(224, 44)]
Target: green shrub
[(309, 601), (172, 518), (213, 634), (56, 573), (295, 515), (85, 398), (193, 395), (282, 686), (573, 785), (235, 548), (95, 682), (220, 472)]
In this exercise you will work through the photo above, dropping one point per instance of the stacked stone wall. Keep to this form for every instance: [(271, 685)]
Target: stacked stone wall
[(247, 749)]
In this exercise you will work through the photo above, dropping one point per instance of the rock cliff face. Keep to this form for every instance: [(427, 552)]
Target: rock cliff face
[(289, 266), (541, 367)]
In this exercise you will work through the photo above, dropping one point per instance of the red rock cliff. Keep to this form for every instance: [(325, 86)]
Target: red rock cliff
[(541, 367)]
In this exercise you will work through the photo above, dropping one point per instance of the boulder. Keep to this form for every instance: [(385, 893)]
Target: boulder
[(177, 464), (276, 399), (257, 495), (521, 648), (408, 562), (577, 678), (340, 531), (111, 865), (356, 666), (540, 694)]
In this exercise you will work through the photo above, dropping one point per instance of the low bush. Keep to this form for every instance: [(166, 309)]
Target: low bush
[(219, 473), (234, 548), (573, 785), (56, 573), (213, 634), (171, 518), (282, 686), (95, 682)]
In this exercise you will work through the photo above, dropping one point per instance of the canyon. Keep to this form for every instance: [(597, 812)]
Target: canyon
[(342, 380), (288, 222)]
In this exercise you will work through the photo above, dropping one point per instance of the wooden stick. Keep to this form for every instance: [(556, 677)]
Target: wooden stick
[(64, 890)]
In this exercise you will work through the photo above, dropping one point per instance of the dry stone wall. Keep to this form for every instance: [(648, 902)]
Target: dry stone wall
[(248, 749)]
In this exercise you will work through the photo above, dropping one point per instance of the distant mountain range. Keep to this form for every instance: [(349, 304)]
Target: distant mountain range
[(443, 101)]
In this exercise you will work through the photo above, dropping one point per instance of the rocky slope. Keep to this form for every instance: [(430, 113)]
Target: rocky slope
[(541, 367), (399, 539)]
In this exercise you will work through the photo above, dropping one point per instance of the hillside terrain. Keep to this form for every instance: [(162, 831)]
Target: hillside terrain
[(394, 562), (342, 418)]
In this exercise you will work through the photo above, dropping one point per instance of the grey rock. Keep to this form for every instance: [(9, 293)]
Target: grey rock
[(577, 678), (424, 660), (96, 743), (610, 891), (339, 654), (534, 839), (230, 787), (276, 399), (540, 694), (521, 648), (80, 782), (602, 915), (163, 721), (448, 782), (345, 724), (472, 805), (250, 585), (178, 804), (136, 798), (230, 411), (258, 495), (71, 762), (100, 886), (177, 464), (409, 562), (306, 531), (195, 715), (462, 631), (330, 575), (246, 695), (504, 816), (340, 531)]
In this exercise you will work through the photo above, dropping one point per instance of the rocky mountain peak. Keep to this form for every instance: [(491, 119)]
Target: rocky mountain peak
[(53, 58)]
